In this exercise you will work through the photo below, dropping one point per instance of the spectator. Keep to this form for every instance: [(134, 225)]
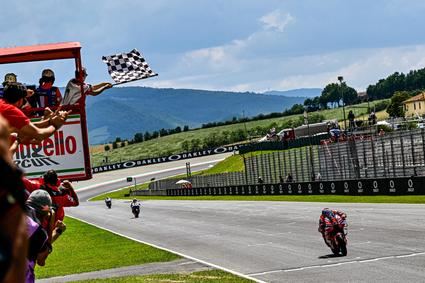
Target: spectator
[(351, 118), (8, 78), (289, 178), (318, 176), (372, 118), (46, 95), (11, 78), (260, 180), (62, 193), (13, 236), (28, 132), (73, 89), (39, 211), (381, 132), (281, 180)]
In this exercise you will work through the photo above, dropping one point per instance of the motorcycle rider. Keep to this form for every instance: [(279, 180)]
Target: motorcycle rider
[(135, 203), (330, 216), (108, 202)]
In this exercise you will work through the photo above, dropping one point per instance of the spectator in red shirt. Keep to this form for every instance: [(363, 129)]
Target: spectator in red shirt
[(28, 132), (62, 193)]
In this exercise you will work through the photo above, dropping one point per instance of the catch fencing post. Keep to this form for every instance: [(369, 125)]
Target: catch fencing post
[(402, 155), (413, 154), (129, 180)]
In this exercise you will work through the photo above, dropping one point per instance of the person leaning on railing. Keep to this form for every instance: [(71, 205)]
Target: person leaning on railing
[(28, 132)]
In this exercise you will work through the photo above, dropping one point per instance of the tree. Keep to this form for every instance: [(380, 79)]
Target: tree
[(155, 134), (114, 145), (138, 137), (349, 94), (185, 145), (395, 109), (122, 143), (185, 128), (163, 132), (107, 147), (147, 136), (196, 144)]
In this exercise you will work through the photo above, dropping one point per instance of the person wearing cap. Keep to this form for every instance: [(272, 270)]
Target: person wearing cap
[(46, 95), (12, 78), (38, 207), (73, 93), (28, 132), (8, 78), (62, 193)]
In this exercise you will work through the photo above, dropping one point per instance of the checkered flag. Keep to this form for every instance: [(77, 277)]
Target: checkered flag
[(128, 67)]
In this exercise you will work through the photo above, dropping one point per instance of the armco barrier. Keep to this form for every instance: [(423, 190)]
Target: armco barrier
[(385, 186)]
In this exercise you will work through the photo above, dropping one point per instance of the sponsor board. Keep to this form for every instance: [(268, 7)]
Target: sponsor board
[(155, 160), (62, 152), (382, 186)]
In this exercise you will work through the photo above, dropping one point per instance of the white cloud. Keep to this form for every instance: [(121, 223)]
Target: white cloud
[(276, 20), (226, 68)]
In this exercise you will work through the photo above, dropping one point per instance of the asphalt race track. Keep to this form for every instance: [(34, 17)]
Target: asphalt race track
[(274, 241)]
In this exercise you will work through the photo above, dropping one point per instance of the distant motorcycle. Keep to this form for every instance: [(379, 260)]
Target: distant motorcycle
[(108, 203), (136, 210), (337, 241)]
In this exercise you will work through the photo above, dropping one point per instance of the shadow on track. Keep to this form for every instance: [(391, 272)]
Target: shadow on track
[(329, 256)]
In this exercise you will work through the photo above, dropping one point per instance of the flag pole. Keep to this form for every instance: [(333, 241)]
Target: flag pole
[(134, 80)]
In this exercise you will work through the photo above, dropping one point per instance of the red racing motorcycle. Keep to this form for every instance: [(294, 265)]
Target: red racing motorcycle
[(335, 235)]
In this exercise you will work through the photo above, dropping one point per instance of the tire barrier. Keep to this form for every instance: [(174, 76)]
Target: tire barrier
[(384, 186)]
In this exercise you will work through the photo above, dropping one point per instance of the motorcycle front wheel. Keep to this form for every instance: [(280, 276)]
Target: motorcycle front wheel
[(342, 245)]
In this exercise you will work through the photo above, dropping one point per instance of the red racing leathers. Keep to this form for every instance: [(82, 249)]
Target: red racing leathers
[(62, 194), (329, 224)]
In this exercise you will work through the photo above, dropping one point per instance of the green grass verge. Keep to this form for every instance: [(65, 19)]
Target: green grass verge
[(212, 276), (85, 248)]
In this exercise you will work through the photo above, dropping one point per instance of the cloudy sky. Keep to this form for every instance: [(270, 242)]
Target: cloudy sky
[(240, 45)]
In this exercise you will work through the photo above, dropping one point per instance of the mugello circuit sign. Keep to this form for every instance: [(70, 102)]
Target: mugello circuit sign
[(63, 152), (174, 157)]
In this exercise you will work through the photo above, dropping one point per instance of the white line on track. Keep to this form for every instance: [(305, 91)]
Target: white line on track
[(337, 264), (175, 252)]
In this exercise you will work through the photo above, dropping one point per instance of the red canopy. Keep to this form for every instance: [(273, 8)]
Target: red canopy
[(54, 51)]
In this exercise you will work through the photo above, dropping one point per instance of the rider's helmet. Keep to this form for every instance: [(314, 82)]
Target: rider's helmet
[(134, 200), (326, 212)]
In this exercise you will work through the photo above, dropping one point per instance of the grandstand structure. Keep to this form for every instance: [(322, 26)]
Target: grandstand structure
[(395, 155)]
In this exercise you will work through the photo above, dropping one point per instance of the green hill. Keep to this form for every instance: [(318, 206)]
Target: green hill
[(124, 111)]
